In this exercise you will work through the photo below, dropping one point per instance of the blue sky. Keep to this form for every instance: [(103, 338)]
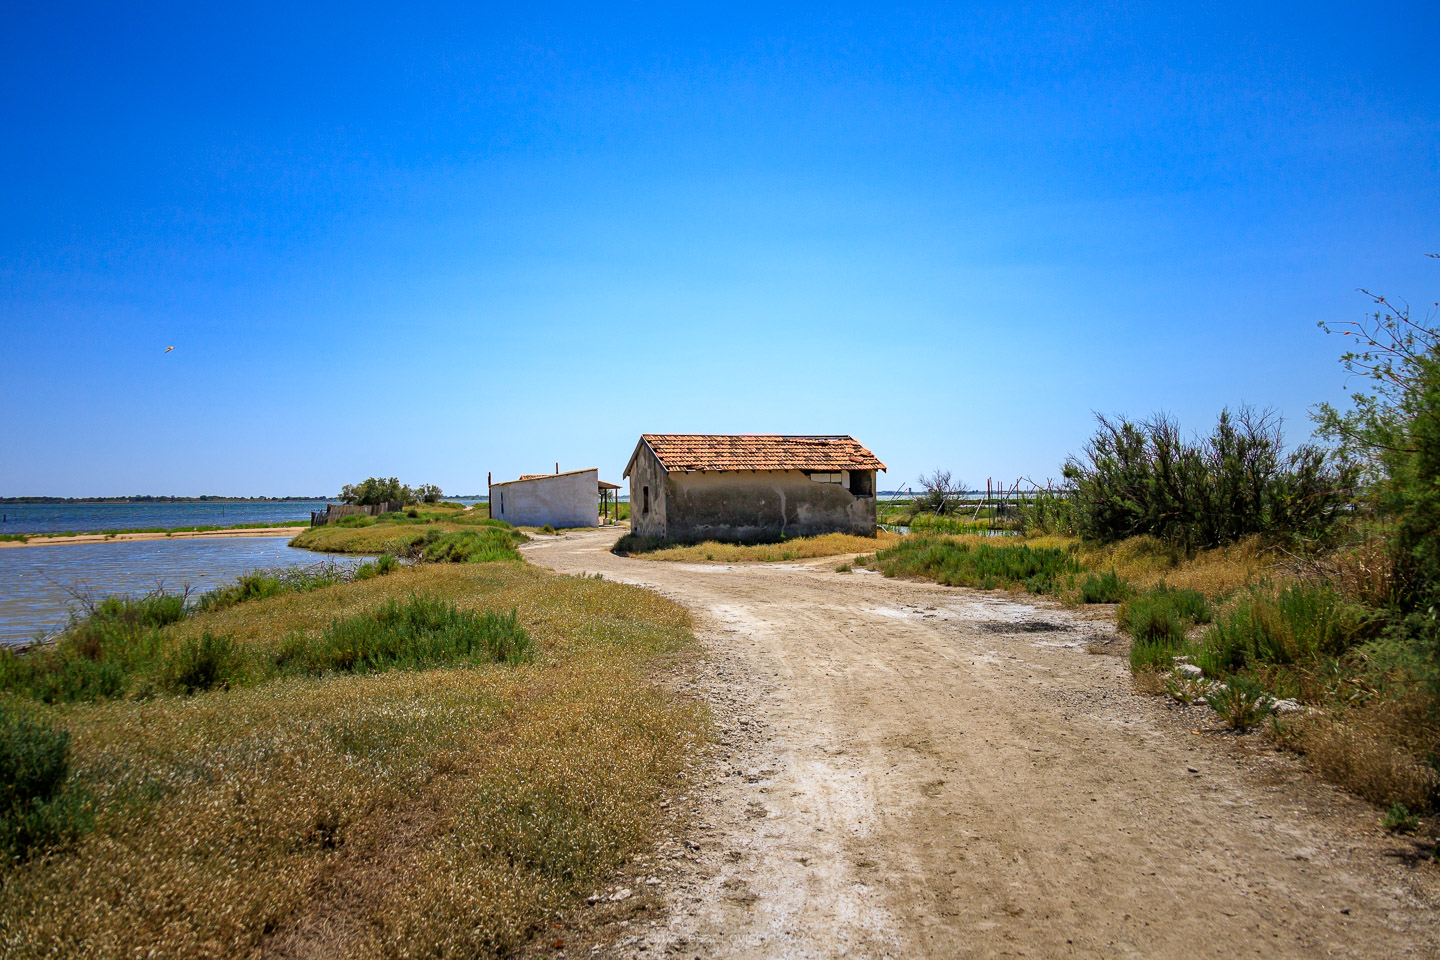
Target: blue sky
[(434, 243)]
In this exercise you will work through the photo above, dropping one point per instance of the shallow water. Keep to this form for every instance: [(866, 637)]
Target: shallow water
[(40, 586), (86, 517)]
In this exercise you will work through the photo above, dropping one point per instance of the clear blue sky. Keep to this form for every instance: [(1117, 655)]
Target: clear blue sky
[(434, 243)]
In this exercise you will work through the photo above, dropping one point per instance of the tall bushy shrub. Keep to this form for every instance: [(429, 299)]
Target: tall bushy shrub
[(376, 490), (1392, 434), (1145, 478)]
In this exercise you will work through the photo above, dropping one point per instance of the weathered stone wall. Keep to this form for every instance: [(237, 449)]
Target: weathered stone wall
[(569, 499), (728, 505), (646, 471)]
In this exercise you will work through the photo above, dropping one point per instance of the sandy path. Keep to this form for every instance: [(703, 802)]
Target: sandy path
[(40, 540), (916, 771)]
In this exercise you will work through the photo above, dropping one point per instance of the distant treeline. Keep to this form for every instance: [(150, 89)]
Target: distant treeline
[(149, 499)]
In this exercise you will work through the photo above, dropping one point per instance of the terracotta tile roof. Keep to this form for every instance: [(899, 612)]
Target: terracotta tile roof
[(708, 451)]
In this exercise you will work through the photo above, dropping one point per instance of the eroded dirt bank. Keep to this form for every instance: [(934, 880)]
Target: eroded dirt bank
[(908, 770)]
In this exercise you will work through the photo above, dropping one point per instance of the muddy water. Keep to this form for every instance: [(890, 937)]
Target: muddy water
[(39, 586)]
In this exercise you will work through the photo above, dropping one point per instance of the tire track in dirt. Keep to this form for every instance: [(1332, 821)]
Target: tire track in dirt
[(912, 770)]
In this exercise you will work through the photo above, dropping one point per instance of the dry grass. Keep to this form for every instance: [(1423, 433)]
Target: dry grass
[(801, 548), (1146, 561), (447, 813), (1371, 750)]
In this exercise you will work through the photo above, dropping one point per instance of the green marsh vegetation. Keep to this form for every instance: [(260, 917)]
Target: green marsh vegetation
[(442, 532), (1318, 568), (1250, 574), (981, 562), (476, 743)]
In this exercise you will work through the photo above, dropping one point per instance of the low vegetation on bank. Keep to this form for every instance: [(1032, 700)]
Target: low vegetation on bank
[(795, 548), (447, 755), (442, 532), (982, 562)]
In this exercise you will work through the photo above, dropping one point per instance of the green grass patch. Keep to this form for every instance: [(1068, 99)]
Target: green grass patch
[(967, 563), (420, 633), (1107, 587), (1158, 621), (1302, 624), (118, 647), (436, 535), (37, 811)]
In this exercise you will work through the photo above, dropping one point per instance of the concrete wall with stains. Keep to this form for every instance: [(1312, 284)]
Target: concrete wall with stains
[(763, 504), (647, 474), (570, 499)]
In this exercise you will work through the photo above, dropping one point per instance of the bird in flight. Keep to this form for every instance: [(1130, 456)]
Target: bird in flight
[(168, 349)]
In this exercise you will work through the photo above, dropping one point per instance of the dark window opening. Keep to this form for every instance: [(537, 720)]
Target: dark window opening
[(862, 483), (644, 501)]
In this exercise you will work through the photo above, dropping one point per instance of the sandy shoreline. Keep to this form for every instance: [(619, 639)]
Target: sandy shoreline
[(43, 541)]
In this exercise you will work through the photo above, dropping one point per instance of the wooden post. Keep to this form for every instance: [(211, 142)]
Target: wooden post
[(488, 484)]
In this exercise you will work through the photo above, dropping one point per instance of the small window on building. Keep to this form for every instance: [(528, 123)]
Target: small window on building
[(645, 501), (824, 477), (862, 483)]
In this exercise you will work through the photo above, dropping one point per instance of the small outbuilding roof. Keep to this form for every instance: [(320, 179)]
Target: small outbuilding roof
[(753, 451)]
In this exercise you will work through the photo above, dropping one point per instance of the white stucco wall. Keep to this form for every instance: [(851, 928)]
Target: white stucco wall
[(569, 499)]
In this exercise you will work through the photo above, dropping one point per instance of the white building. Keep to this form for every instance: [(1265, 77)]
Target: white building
[(569, 499)]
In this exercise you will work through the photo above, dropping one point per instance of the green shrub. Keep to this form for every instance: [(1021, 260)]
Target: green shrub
[(635, 543), (1163, 612), (381, 565), (98, 652), (548, 529), (1105, 587), (466, 546), (258, 584), (1301, 624), (1241, 702), (1399, 819), (1144, 478), (1185, 688), (421, 633), (1158, 620), (1158, 655), (203, 663), (354, 520), (845, 568), (36, 809), (987, 566)]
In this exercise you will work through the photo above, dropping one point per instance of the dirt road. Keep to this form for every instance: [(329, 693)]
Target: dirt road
[(909, 770)]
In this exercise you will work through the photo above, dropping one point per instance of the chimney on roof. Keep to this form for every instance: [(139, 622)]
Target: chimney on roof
[(557, 466)]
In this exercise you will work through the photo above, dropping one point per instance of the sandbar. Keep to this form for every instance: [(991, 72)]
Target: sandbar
[(40, 540)]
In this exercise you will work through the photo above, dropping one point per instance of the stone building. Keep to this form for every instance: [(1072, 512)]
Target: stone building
[(692, 487)]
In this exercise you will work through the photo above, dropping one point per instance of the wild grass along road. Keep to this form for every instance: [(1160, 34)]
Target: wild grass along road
[(919, 771)]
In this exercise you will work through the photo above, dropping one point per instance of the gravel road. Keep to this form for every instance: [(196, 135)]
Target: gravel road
[(909, 770)]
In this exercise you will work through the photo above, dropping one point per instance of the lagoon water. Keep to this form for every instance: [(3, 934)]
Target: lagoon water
[(39, 585), (88, 517)]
